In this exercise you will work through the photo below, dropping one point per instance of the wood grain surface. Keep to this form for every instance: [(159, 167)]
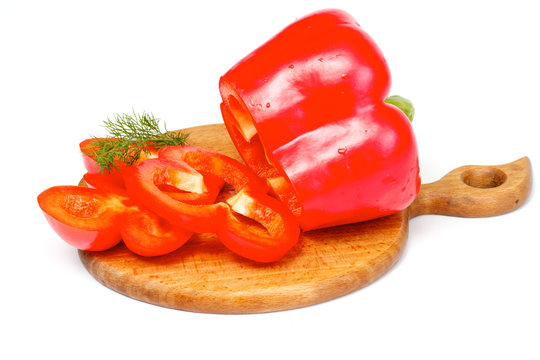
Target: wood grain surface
[(203, 276)]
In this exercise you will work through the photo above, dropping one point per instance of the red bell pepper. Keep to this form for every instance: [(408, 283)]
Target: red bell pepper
[(310, 104)]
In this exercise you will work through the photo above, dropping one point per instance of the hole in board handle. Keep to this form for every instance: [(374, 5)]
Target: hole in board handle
[(484, 177)]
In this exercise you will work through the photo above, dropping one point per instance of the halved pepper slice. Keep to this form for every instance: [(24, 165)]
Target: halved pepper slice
[(95, 220), (85, 218)]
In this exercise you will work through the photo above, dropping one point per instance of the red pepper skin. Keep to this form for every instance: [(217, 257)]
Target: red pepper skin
[(106, 182), (83, 217), (315, 93), (86, 151)]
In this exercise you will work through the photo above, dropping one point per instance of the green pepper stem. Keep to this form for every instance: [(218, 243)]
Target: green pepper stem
[(403, 104)]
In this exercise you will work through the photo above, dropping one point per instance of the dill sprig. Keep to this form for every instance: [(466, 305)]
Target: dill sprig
[(131, 135)]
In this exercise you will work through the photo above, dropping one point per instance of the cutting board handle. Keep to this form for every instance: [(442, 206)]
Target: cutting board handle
[(476, 191)]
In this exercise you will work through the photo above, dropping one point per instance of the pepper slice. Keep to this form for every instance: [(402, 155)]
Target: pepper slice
[(278, 234), (95, 220), (210, 162), (311, 102), (142, 183), (270, 233), (147, 234), (85, 218), (272, 230), (177, 166)]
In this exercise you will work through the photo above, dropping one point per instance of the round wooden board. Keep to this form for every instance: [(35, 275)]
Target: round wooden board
[(203, 276)]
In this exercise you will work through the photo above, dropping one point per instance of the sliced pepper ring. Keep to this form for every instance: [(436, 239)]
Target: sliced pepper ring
[(142, 183), (233, 223), (228, 169), (279, 233)]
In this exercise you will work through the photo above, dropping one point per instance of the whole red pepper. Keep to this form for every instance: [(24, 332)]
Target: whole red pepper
[(310, 102)]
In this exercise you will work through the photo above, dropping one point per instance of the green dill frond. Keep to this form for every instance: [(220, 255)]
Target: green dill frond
[(129, 136)]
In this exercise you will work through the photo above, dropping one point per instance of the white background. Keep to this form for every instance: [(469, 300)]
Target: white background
[(464, 288)]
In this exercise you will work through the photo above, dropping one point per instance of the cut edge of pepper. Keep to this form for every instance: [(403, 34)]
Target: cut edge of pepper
[(259, 161), (243, 120)]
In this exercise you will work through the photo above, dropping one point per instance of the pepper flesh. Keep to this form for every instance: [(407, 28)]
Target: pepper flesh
[(313, 101)]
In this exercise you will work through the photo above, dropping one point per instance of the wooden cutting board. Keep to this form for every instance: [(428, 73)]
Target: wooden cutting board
[(203, 276)]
